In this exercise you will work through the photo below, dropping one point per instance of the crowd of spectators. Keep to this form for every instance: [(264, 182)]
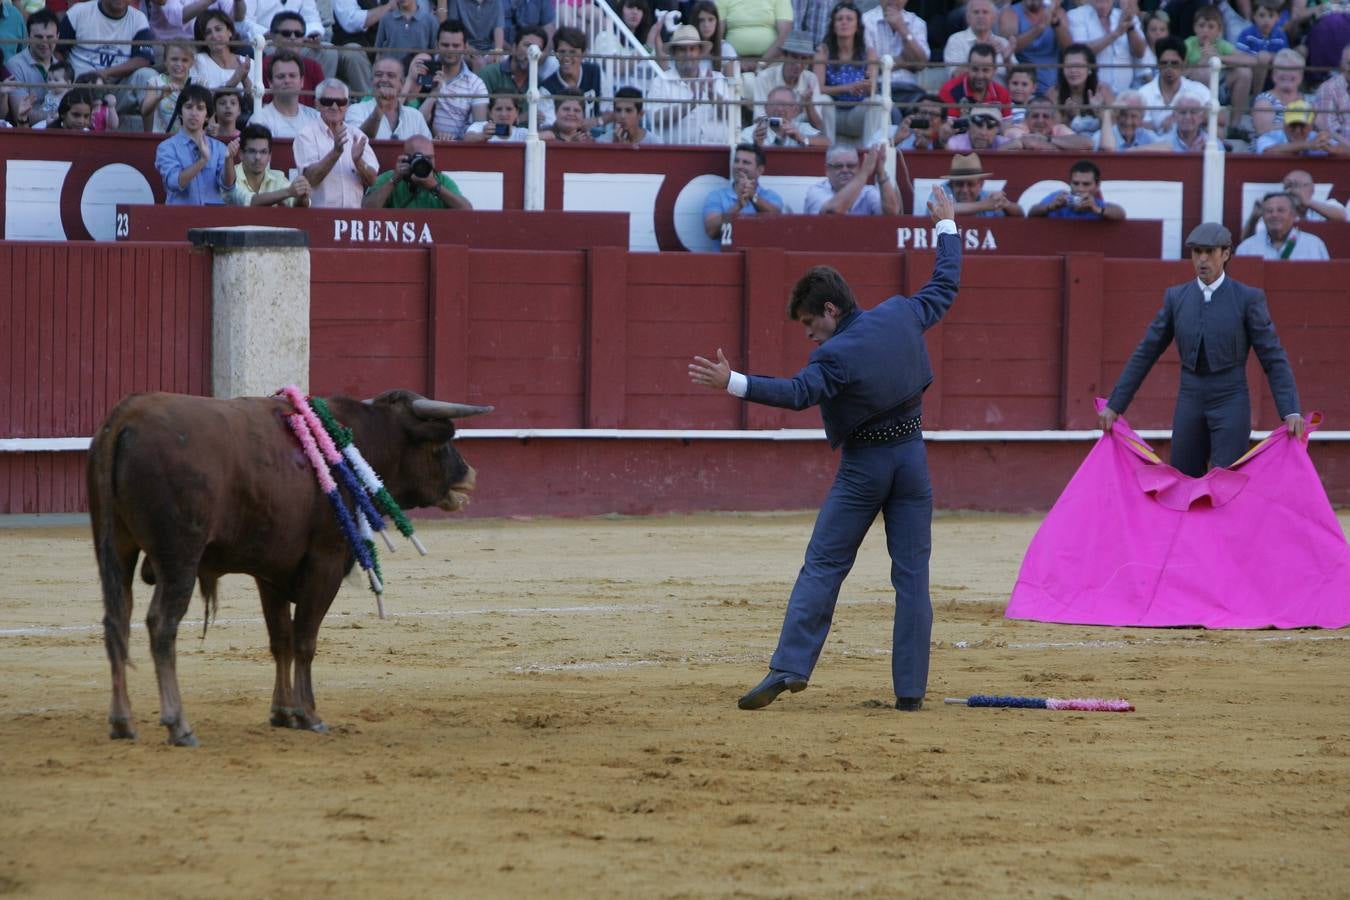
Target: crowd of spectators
[(979, 76)]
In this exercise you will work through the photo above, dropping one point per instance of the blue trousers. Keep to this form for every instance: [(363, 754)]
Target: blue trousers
[(1212, 421), (891, 479)]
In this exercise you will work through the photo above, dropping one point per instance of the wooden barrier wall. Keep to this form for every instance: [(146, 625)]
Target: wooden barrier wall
[(85, 325), (600, 339)]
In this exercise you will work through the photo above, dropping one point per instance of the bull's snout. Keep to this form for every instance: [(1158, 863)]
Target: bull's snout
[(458, 497)]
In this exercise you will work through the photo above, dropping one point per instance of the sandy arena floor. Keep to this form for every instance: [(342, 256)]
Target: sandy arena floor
[(551, 712)]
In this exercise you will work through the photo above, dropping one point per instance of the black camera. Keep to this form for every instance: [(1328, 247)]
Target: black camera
[(775, 122), (919, 123), (501, 129), (421, 165), (426, 82)]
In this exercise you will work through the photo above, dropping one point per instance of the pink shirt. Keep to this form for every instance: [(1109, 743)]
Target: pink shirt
[(342, 187)]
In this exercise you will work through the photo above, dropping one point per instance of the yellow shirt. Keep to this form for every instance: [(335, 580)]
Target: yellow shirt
[(273, 180), (752, 25)]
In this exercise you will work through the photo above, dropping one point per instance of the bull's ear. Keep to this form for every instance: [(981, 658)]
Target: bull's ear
[(394, 398)]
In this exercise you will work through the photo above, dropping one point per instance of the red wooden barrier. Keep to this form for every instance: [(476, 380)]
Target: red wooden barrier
[(85, 325)]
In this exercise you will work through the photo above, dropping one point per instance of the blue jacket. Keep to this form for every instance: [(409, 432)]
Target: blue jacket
[(875, 362), (1234, 322)]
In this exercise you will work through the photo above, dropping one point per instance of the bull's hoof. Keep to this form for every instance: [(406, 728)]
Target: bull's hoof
[(183, 740), (121, 730), (283, 718), (319, 728)]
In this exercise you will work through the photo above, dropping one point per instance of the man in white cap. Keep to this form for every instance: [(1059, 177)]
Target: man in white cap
[(687, 105), (1216, 322), (965, 185)]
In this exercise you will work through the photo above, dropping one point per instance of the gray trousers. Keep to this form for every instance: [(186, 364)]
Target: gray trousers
[(1212, 422)]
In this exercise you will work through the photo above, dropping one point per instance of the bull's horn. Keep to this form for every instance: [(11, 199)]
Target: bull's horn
[(439, 409)]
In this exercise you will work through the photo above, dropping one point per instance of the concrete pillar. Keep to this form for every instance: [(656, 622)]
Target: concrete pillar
[(259, 308)]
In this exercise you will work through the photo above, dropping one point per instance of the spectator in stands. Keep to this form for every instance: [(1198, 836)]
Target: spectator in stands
[(1083, 199), (407, 28), (355, 25), (1282, 240), (336, 160), (1031, 25), (1112, 35), (847, 71), (813, 16), (1123, 125), (30, 66), (1287, 78), (256, 183), (1157, 25), (926, 127), (642, 24), (1262, 40), (569, 120), (197, 169), (1299, 185), (743, 197), (575, 76), (512, 75), (173, 20), (1077, 91), (794, 71), (1297, 138), (627, 128), (965, 185), (11, 27), (285, 116), (484, 26), (60, 79), (1042, 130), (160, 103), (977, 87), (218, 64), (1021, 88), (459, 96), (1328, 33), (1263, 117), (104, 116), (706, 20), (260, 14), (74, 111), (783, 125), (385, 116), (1208, 43), (529, 15), (226, 107), (757, 28), (1333, 101), (288, 33), (415, 182), (846, 188), (500, 126), (891, 29), (92, 25), (685, 105), (983, 131), (981, 15), (1160, 95), (1188, 133)]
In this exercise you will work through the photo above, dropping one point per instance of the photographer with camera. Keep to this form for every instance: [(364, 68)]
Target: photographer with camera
[(458, 96), (1083, 199), (415, 183), (783, 124), (384, 117)]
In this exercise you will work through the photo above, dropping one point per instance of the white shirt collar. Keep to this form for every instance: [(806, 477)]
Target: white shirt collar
[(1208, 289)]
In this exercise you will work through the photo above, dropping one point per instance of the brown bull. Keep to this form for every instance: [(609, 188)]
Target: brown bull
[(206, 487)]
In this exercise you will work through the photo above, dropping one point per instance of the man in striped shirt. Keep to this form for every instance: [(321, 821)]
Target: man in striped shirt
[(460, 97)]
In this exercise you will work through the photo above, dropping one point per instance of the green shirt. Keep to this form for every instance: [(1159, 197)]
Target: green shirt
[(407, 195), (1222, 47)]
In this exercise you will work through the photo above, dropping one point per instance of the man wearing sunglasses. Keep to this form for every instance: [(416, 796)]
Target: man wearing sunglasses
[(1162, 93), (983, 131), (288, 33), (336, 160)]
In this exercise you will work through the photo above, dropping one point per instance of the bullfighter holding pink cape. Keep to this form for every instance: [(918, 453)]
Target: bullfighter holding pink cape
[(1252, 543)]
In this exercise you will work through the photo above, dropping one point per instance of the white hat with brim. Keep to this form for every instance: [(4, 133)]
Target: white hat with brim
[(966, 167), (687, 36)]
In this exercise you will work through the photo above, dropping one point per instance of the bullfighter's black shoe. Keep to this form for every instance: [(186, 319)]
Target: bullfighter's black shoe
[(767, 691), (909, 704)]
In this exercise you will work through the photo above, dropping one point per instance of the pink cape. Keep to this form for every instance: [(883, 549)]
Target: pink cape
[(1132, 541)]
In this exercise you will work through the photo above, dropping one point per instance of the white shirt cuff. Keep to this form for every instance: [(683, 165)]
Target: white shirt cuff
[(738, 385), (945, 226)]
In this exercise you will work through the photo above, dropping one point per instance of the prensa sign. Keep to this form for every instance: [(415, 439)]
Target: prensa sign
[(926, 238), (380, 231)]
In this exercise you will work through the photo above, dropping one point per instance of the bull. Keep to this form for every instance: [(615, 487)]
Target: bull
[(205, 487)]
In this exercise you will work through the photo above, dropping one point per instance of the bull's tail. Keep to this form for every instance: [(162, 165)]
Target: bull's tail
[(212, 610), (116, 564)]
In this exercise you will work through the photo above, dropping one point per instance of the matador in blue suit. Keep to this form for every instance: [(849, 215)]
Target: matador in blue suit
[(868, 376)]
